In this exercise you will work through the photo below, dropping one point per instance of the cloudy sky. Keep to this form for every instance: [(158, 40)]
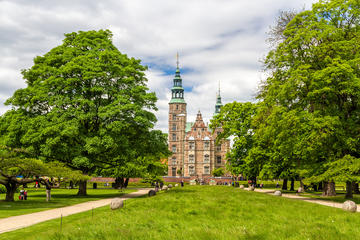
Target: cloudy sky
[(218, 41)]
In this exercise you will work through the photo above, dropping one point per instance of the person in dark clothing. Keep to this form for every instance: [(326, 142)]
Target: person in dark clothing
[(161, 185), (182, 183)]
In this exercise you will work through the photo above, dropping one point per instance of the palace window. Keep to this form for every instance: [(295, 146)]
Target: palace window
[(173, 161), (174, 137), (218, 159), (191, 145), (206, 145), (206, 170), (191, 158), (206, 158), (173, 171), (218, 147), (173, 148), (177, 107), (191, 170), (174, 116), (174, 127)]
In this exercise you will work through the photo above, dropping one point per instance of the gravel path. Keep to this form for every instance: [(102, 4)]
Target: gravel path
[(307, 199), (16, 222)]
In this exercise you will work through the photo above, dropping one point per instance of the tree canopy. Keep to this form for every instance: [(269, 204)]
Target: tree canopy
[(85, 104)]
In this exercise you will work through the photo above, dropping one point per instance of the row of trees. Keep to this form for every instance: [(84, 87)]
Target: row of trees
[(87, 106), (306, 122)]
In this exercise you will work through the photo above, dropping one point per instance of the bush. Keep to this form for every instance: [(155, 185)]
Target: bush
[(2, 189)]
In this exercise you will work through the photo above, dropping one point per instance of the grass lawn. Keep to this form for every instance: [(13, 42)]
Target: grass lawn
[(59, 198), (203, 212)]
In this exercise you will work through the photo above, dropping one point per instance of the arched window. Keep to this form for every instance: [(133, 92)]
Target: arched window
[(191, 145), (218, 159), (191, 158), (173, 161), (174, 127), (174, 137), (173, 148), (206, 145), (206, 170)]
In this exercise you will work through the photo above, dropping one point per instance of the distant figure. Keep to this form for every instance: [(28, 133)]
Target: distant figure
[(261, 185), (161, 185), (36, 184), (182, 183), (25, 195), (277, 185), (156, 186), (48, 185), (22, 194)]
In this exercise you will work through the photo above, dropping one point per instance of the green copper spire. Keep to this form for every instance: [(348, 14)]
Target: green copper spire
[(218, 104), (177, 91)]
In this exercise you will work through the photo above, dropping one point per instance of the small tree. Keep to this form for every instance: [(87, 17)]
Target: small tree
[(218, 172)]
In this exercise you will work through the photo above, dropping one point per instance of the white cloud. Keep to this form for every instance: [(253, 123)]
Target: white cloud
[(217, 40)]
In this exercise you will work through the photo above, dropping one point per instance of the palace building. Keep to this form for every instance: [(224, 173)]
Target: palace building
[(194, 150)]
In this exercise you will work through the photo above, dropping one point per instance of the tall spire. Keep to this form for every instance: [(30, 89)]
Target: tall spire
[(218, 104), (177, 91), (177, 60)]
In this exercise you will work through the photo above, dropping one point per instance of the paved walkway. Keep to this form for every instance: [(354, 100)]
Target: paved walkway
[(306, 199), (21, 221)]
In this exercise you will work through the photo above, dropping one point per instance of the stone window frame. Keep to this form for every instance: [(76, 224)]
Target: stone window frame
[(217, 159), (173, 148), (192, 145), (191, 158), (206, 169), (174, 127), (174, 136), (206, 158), (173, 161), (206, 145), (191, 170)]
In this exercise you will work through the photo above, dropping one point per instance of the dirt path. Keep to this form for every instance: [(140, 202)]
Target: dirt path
[(16, 222), (306, 199)]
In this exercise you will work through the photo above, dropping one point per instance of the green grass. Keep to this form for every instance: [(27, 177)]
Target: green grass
[(59, 198), (203, 212)]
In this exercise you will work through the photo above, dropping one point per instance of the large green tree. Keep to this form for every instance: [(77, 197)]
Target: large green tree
[(311, 98), (236, 120), (85, 104)]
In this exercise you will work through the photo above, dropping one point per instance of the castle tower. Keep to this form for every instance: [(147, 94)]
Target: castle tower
[(218, 104), (177, 124)]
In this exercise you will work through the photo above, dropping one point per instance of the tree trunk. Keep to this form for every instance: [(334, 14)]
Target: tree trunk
[(356, 188), (126, 183), (10, 191), (119, 183), (292, 184), (284, 186), (349, 190), (82, 188), (329, 189)]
